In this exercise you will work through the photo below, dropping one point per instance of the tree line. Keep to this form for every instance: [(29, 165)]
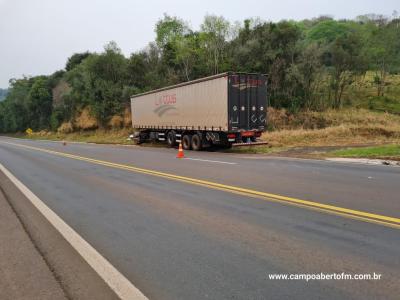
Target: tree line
[(310, 64)]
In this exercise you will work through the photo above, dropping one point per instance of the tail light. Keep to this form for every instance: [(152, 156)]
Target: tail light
[(247, 133)]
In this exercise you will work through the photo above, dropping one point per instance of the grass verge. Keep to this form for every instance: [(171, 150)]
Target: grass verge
[(384, 152), (93, 136)]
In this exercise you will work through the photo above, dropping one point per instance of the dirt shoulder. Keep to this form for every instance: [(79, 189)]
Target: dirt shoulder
[(23, 271)]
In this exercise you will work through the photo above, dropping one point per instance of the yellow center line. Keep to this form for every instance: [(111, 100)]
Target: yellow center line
[(326, 208)]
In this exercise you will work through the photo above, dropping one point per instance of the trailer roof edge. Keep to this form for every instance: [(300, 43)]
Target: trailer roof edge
[(192, 82)]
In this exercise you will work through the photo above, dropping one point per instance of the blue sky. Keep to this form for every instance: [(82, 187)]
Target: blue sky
[(37, 36)]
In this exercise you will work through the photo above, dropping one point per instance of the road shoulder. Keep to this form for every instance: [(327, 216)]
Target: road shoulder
[(68, 275), (23, 271)]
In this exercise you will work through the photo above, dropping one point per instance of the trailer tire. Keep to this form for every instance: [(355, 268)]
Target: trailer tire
[(197, 143), (171, 139), (187, 142)]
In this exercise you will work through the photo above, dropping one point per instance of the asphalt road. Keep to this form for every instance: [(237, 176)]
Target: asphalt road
[(178, 240)]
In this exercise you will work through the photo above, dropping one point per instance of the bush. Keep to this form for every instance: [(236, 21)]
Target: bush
[(56, 119), (127, 117), (116, 122), (65, 127), (86, 120)]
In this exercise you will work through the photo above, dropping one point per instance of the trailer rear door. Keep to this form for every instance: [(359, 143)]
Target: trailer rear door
[(247, 101)]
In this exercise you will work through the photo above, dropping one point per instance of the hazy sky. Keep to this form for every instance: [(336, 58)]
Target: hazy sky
[(37, 36)]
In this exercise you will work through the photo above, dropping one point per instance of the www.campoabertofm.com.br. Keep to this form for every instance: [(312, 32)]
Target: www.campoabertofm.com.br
[(325, 276)]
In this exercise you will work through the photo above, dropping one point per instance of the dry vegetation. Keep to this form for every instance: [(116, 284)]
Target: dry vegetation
[(332, 128), (85, 128), (100, 136), (85, 120)]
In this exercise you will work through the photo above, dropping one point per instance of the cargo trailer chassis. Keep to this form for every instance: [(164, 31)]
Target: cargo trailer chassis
[(197, 139)]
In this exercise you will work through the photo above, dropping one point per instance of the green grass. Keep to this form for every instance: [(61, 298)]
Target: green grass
[(384, 103), (386, 152), (363, 94)]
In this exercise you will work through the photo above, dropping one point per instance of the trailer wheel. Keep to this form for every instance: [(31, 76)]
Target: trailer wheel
[(197, 144), (171, 140), (186, 142)]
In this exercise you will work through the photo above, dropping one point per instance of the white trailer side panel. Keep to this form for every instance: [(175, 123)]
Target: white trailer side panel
[(202, 105)]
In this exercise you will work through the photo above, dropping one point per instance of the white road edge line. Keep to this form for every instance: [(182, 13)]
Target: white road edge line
[(212, 161), (115, 280)]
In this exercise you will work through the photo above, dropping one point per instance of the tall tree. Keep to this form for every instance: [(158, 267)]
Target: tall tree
[(345, 59), (40, 104), (75, 60), (168, 29), (214, 34), (187, 53), (384, 53)]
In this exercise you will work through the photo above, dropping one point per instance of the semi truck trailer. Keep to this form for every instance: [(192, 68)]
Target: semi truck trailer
[(219, 110)]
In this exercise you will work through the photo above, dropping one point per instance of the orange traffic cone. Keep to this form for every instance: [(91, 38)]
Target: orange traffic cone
[(180, 151)]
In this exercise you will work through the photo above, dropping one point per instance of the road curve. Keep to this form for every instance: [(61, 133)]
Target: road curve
[(176, 240)]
